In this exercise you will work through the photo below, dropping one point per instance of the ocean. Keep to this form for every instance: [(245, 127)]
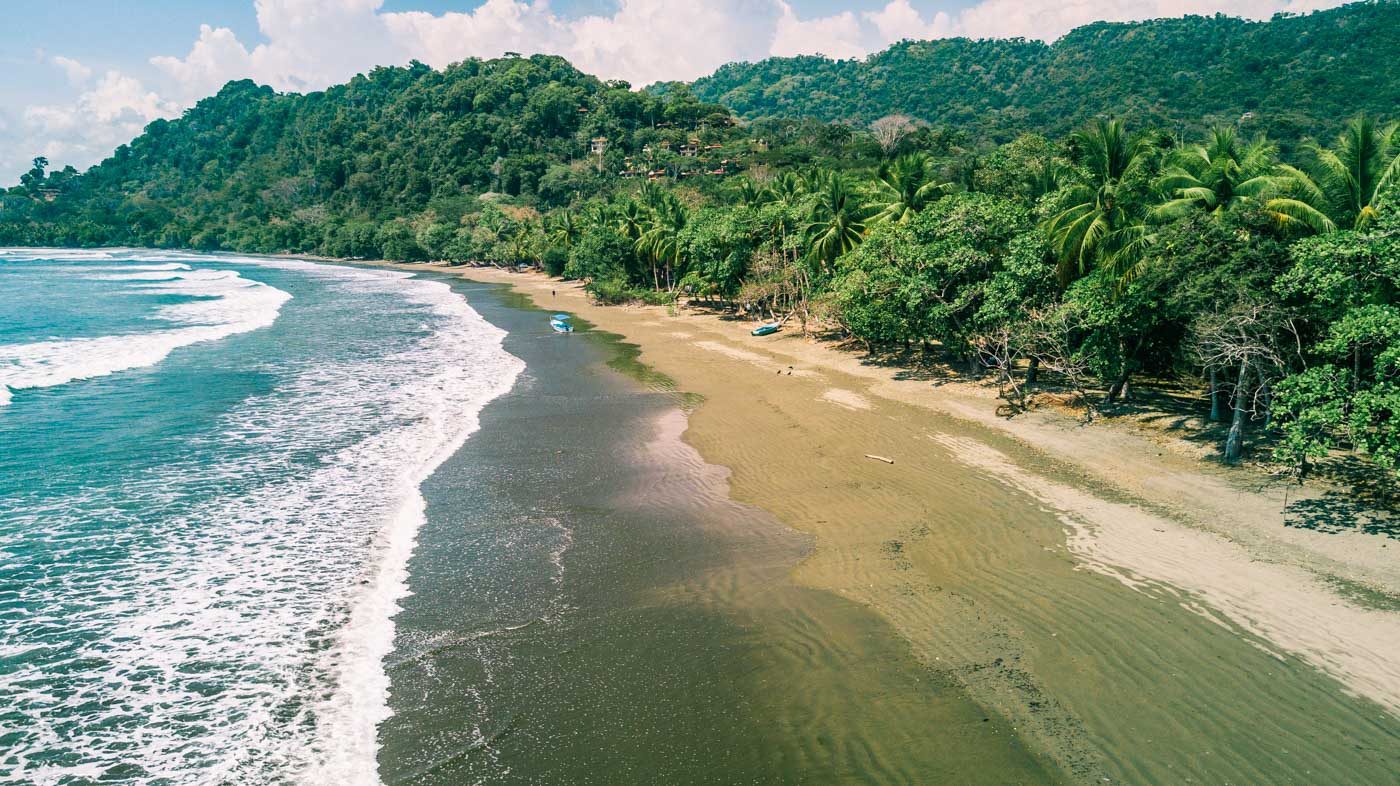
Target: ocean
[(210, 472)]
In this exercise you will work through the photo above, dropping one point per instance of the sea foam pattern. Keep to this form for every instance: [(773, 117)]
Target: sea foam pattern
[(226, 304), (224, 618)]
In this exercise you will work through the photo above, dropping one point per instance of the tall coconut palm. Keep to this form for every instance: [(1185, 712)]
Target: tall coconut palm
[(837, 222), (564, 229), (631, 220), (1100, 223), (660, 241), (1345, 185), (1216, 176), (905, 187), (598, 214)]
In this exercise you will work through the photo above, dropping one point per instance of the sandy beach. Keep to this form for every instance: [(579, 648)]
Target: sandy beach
[(1134, 615), (590, 605)]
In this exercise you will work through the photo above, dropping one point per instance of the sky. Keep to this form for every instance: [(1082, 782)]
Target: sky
[(84, 76)]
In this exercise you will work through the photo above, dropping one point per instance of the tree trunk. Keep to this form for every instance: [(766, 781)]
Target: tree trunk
[(1235, 440), (1355, 369), (1119, 389), (1214, 397), (1033, 371)]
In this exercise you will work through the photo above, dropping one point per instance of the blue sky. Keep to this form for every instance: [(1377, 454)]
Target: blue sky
[(83, 76)]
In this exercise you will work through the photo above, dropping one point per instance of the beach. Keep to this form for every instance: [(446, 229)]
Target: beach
[(1121, 613), (589, 604)]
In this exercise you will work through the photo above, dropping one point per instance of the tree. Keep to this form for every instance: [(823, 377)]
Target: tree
[(1246, 337), (926, 280), (1216, 176), (660, 238), (890, 130), (34, 178), (837, 222), (1345, 186), (1099, 222), (750, 194), (787, 189), (564, 228), (905, 187), (719, 244), (599, 255), (1348, 285)]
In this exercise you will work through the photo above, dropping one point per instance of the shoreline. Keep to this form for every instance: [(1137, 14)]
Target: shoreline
[(1161, 473), (1111, 499), (590, 604)]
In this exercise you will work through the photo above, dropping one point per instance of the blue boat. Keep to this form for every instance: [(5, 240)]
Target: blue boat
[(561, 326), (764, 330)]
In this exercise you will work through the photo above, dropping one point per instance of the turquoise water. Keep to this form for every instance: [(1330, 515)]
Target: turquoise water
[(209, 491)]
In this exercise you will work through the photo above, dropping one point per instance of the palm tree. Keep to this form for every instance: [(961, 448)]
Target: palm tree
[(837, 221), (906, 187), (660, 240), (787, 189), (652, 195), (631, 220), (599, 214), (564, 229), (1100, 224), (1046, 178), (1345, 185), (749, 193), (1216, 176), (813, 179)]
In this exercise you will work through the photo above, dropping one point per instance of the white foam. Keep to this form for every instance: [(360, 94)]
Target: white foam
[(247, 629), (347, 746), (142, 268), (229, 304)]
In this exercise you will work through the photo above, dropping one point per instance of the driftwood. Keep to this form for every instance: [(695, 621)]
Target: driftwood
[(879, 458)]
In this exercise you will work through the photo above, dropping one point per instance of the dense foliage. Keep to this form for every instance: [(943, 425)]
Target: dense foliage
[(408, 163), (1085, 263), (1296, 74), (1266, 275)]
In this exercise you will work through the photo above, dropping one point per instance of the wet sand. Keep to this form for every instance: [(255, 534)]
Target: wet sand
[(1128, 628), (591, 605)]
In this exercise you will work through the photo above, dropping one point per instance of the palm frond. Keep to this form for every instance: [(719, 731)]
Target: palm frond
[(1298, 214)]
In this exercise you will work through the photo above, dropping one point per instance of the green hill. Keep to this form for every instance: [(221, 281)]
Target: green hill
[(341, 171), (412, 162), (1298, 75)]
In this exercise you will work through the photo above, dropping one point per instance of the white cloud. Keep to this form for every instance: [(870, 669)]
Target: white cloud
[(83, 132), (76, 72), (215, 57), (651, 40), (311, 44), (839, 36), (1048, 20)]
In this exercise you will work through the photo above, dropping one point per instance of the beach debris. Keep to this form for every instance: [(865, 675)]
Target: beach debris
[(879, 458)]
